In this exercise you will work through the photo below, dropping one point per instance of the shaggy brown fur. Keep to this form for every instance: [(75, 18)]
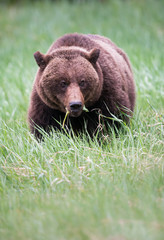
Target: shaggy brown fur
[(80, 70)]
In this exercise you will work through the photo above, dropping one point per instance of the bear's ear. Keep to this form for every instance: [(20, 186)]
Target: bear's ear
[(41, 59), (93, 55)]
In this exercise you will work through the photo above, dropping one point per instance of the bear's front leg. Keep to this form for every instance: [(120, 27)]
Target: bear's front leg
[(39, 115)]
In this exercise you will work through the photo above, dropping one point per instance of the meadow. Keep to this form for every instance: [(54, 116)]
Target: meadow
[(75, 188)]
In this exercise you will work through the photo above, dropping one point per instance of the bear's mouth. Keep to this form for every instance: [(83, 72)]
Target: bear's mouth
[(75, 113)]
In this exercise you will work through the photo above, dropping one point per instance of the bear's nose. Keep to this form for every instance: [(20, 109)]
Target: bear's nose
[(75, 106)]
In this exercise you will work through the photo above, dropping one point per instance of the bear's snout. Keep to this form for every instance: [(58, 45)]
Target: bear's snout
[(76, 108), (75, 100)]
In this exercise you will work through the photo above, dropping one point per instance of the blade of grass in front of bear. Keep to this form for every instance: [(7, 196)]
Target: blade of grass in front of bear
[(85, 109), (67, 112)]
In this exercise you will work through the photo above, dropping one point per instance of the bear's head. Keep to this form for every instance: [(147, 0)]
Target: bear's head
[(68, 79)]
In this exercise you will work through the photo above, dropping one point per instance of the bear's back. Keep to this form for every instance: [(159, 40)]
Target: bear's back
[(109, 52), (88, 42)]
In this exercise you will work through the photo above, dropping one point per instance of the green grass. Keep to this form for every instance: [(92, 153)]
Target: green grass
[(68, 188)]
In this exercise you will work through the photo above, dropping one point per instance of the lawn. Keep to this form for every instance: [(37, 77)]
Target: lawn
[(75, 188)]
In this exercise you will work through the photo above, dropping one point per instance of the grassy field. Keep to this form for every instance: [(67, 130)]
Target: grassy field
[(76, 189)]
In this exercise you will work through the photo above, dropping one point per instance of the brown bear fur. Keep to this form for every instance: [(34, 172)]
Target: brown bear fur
[(80, 70)]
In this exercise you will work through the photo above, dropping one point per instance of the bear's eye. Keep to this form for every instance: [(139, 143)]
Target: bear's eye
[(63, 84), (82, 83)]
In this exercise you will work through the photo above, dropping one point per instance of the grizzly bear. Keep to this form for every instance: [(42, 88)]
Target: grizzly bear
[(81, 71)]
